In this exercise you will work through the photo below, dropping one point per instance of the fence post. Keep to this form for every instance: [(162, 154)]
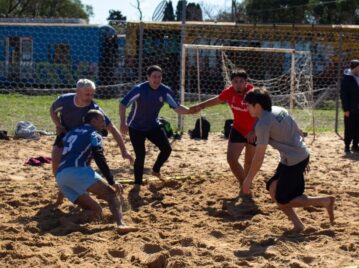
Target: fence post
[(140, 53), (339, 75)]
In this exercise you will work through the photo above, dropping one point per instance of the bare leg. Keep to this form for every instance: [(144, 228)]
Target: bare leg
[(56, 158), (248, 157), (287, 210), (324, 201), (234, 151), (91, 211), (106, 193)]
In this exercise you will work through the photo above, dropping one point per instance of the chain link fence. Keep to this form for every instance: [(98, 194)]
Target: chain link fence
[(48, 58)]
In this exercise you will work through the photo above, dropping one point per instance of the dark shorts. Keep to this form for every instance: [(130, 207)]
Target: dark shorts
[(236, 137), (290, 181), (58, 141)]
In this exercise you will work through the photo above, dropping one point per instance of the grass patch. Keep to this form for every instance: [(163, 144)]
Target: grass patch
[(18, 107)]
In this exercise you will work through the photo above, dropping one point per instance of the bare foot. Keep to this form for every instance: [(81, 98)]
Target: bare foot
[(297, 229), (330, 208), (158, 175), (124, 229)]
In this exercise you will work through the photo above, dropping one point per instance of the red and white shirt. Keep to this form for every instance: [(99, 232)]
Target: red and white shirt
[(243, 122)]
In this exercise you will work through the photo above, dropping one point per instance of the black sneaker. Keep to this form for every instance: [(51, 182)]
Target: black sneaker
[(355, 149), (347, 150)]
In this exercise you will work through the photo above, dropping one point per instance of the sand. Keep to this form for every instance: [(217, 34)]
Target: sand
[(194, 219)]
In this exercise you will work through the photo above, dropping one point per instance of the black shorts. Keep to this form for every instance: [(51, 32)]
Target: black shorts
[(290, 181), (236, 137), (58, 141)]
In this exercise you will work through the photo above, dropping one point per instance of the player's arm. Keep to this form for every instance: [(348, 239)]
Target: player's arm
[(209, 103), (56, 120), (101, 162), (118, 138), (123, 125), (257, 162)]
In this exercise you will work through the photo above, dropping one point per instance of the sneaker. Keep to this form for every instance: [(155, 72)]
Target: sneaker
[(347, 150), (355, 149)]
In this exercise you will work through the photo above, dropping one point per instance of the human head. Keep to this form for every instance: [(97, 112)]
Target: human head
[(258, 100), (95, 118), (354, 66), (154, 76), (85, 91), (239, 80)]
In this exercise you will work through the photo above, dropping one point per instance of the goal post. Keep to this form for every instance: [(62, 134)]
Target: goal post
[(286, 73)]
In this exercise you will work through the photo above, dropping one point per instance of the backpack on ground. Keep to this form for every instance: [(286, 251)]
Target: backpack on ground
[(166, 126), (227, 127), (201, 129)]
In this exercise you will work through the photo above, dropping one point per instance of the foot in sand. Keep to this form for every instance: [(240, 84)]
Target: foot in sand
[(124, 229), (158, 175)]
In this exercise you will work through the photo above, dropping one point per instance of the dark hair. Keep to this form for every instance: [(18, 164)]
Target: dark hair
[(153, 68), (91, 114), (354, 64), (239, 73), (260, 96)]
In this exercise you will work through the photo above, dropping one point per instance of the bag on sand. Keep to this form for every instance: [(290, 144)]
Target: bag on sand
[(201, 129), (166, 126), (26, 130)]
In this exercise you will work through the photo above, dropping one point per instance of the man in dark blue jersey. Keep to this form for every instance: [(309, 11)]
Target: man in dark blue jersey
[(147, 100), (76, 178), (68, 112)]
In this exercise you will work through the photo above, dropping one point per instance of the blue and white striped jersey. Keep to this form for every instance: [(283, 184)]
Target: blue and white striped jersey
[(146, 105), (78, 146)]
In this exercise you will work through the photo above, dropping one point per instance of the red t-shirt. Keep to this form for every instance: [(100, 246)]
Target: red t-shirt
[(243, 122)]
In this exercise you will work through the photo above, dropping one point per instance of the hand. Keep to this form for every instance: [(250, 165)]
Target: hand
[(126, 155), (251, 137), (123, 129), (118, 188), (246, 187), (60, 129), (347, 114)]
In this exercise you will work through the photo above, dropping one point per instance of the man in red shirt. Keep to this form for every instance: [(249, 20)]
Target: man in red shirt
[(242, 132)]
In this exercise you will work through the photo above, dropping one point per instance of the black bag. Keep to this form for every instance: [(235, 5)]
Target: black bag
[(227, 127), (166, 126), (196, 132)]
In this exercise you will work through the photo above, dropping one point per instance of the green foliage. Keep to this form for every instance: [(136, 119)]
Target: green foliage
[(45, 9), (17, 107), (115, 15), (169, 13), (193, 11), (302, 11)]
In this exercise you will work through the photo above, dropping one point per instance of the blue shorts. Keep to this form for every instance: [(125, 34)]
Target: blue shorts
[(74, 181)]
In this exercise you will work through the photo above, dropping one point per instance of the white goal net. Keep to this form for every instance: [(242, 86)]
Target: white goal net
[(286, 73)]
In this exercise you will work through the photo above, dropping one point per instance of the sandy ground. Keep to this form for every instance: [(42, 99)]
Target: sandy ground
[(192, 220)]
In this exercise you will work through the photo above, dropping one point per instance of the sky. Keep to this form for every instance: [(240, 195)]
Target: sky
[(128, 8)]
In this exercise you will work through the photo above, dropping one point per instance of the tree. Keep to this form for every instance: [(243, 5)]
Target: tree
[(193, 11), (169, 13), (45, 9), (116, 15)]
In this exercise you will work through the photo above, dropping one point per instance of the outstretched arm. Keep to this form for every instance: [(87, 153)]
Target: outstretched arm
[(255, 167), (118, 138), (207, 103)]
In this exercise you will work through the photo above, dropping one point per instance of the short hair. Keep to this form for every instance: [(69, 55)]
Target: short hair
[(260, 96), (354, 64), (85, 83), (91, 114), (239, 73), (153, 68)]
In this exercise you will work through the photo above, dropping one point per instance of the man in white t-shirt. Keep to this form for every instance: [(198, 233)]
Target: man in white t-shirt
[(277, 128)]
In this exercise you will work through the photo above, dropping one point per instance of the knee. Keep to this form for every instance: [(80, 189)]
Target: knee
[(166, 150), (232, 160)]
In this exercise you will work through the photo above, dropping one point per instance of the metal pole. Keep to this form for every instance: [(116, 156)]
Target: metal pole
[(339, 75), (182, 68), (292, 83), (140, 53)]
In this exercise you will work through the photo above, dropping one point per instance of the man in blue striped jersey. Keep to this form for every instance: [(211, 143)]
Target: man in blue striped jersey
[(76, 179), (147, 100)]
